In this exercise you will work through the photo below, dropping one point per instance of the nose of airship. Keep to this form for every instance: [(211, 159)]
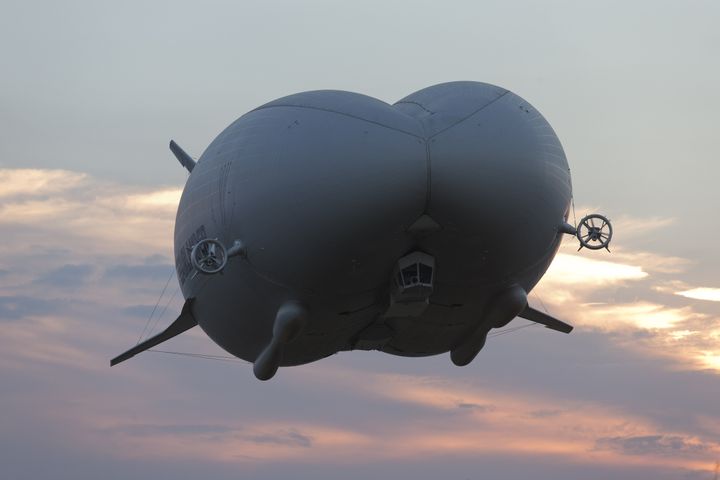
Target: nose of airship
[(326, 185), (328, 192)]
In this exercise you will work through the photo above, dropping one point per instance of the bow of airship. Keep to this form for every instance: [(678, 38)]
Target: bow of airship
[(329, 221)]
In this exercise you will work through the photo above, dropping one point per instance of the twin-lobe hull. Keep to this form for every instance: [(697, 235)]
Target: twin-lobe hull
[(326, 190)]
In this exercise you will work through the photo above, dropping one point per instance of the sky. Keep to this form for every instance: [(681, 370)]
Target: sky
[(92, 91)]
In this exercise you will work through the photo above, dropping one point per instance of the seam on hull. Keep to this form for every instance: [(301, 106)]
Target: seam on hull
[(344, 114), (468, 116), (428, 166), (428, 174)]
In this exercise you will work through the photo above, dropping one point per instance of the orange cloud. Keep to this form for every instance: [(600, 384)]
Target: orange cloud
[(89, 215), (637, 315), (458, 420), (23, 182), (571, 269), (90, 219), (583, 288), (702, 293), (163, 200)]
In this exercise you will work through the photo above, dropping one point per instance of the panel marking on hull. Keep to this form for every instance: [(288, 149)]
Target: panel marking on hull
[(182, 259), (222, 191)]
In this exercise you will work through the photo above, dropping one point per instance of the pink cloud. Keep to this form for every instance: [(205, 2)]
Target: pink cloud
[(109, 224)]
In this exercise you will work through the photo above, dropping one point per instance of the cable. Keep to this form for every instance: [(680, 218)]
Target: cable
[(542, 303), (512, 330), (155, 307), (223, 358), (162, 312), (228, 358)]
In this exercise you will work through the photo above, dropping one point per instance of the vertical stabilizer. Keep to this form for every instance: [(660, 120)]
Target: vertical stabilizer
[(184, 159)]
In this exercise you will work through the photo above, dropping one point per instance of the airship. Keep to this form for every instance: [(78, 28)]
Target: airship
[(331, 221)]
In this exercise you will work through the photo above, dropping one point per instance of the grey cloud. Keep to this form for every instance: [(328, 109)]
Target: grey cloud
[(642, 334), (157, 272), (72, 275), (475, 407), (144, 430), (589, 366), (18, 307), (290, 437), (652, 445), (142, 311), (45, 251), (155, 259), (545, 413)]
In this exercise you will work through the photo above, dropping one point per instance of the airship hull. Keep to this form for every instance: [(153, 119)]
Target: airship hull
[(327, 190)]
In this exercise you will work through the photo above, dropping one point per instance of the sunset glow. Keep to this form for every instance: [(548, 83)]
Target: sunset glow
[(93, 93), (529, 424)]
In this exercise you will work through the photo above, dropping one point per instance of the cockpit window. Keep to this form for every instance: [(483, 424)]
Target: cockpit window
[(414, 278), (410, 275), (425, 274)]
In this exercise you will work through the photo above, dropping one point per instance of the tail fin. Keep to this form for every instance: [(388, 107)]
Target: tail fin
[(184, 159), (544, 319), (184, 322)]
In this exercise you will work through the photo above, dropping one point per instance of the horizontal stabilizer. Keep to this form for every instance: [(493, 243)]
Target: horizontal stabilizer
[(184, 159), (544, 319), (184, 322)]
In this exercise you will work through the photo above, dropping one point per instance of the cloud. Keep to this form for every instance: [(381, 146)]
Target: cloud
[(122, 235), (20, 307), (633, 296), (574, 270), (62, 230), (161, 200), (654, 445), (144, 430), (709, 359), (626, 227), (528, 424), (135, 272), (286, 437), (85, 214), (475, 407), (702, 293), (494, 422), (651, 262), (32, 182), (642, 315), (155, 259), (544, 413), (141, 311), (574, 276), (73, 275), (264, 442)]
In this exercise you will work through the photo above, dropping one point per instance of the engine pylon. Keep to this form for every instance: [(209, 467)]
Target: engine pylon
[(503, 308), (290, 320)]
